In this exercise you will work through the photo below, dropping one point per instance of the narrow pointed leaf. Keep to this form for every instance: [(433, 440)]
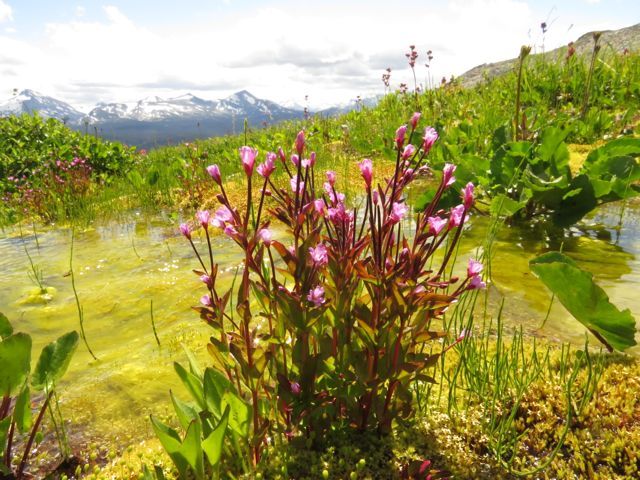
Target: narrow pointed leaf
[(213, 444)]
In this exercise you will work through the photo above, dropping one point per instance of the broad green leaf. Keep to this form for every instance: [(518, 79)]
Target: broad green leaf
[(170, 441), (213, 444), (553, 150), (239, 415), (22, 410), (625, 146), (579, 200), (54, 361), (5, 327), (186, 414), (193, 384), (501, 205), (15, 358), (191, 448), (585, 300)]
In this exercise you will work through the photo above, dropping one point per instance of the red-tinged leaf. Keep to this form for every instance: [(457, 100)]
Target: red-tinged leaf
[(198, 272), (423, 337)]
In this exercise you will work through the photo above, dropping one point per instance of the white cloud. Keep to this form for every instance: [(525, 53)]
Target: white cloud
[(6, 13), (280, 53), (80, 11)]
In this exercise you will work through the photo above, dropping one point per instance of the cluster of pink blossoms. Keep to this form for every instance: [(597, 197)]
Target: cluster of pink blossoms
[(331, 206)]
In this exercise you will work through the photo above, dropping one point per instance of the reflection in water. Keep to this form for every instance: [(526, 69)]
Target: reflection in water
[(121, 267)]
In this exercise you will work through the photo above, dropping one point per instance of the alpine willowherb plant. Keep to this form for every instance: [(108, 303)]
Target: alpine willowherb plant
[(331, 320)]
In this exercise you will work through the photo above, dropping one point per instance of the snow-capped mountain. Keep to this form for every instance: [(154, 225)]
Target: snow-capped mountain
[(155, 121), (28, 101)]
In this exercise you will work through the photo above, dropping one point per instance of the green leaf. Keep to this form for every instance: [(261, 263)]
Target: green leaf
[(5, 327), (5, 423), (585, 300), (54, 361), (22, 410), (170, 441), (240, 414), (212, 445), (501, 205), (191, 448), (15, 358), (186, 414), (193, 384)]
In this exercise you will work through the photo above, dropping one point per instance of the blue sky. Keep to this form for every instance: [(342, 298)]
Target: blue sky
[(85, 52)]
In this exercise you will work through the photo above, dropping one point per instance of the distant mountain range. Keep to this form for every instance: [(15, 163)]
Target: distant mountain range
[(155, 121)]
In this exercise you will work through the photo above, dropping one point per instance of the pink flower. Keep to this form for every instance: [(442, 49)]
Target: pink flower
[(455, 218), (214, 171), (430, 137), (408, 152), (295, 159), (474, 268), (222, 216), (294, 185), (207, 280), (331, 177), (400, 134), (300, 142), (206, 301), (265, 235), (398, 211), (185, 230), (366, 169), (319, 255), (318, 205), (447, 174), (312, 159), (436, 224), (230, 231), (316, 296), (464, 333), (267, 168), (476, 283), (248, 156), (467, 195), (295, 388), (375, 197), (203, 217), (281, 155), (415, 118)]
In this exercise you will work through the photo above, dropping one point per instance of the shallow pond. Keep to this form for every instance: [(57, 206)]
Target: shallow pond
[(120, 268)]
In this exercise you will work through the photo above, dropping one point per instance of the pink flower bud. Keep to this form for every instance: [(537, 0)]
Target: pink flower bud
[(214, 171), (415, 118), (296, 389), (207, 280), (400, 134), (366, 169), (300, 142), (447, 174), (312, 159), (331, 177), (319, 206), (455, 218), (265, 235), (430, 137), (295, 159), (281, 155), (185, 230), (408, 152), (206, 301), (248, 156), (230, 231), (467, 195)]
